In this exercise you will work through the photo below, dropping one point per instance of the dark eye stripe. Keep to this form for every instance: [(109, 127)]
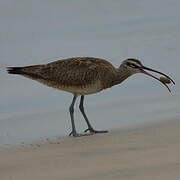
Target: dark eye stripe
[(132, 65)]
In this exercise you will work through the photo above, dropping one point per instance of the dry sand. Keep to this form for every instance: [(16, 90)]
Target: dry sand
[(146, 153)]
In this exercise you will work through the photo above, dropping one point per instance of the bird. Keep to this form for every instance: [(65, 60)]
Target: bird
[(83, 76)]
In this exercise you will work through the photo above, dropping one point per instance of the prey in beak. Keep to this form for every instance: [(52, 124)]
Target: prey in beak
[(143, 68), (138, 67)]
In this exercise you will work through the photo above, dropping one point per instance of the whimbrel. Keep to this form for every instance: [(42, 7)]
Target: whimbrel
[(82, 76)]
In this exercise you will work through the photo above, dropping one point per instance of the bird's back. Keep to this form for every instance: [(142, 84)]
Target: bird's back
[(81, 75)]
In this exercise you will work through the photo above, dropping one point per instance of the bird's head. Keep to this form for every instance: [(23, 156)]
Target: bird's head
[(135, 66), (132, 65)]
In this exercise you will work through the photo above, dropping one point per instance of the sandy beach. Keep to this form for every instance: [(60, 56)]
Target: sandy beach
[(147, 152), (147, 144)]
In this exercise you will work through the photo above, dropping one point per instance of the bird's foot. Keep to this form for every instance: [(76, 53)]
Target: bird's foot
[(75, 134), (92, 131)]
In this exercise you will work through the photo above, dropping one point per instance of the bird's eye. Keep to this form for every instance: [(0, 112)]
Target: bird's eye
[(132, 65)]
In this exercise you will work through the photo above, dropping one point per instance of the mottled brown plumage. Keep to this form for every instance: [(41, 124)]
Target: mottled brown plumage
[(82, 76)]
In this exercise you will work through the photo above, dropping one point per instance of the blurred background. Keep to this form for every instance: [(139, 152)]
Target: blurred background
[(41, 31)]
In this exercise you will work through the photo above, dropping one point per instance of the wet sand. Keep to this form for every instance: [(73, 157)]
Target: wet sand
[(147, 152)]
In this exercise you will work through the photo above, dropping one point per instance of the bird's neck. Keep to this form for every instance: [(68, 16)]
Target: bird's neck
[(121, 75)]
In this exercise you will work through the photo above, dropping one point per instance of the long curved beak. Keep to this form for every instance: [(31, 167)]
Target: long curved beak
[(149, 69)]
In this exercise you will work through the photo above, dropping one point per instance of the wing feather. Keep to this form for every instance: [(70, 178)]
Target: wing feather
[(79, 71)]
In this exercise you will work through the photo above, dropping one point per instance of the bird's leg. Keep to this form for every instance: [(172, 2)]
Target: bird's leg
[(71, 110), (90, 128)]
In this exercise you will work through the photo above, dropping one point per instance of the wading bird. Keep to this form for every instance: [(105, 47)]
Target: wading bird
[(82, 76)]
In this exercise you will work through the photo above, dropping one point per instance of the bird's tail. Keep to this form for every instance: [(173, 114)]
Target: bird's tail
[(33, 72), (15, 70)]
